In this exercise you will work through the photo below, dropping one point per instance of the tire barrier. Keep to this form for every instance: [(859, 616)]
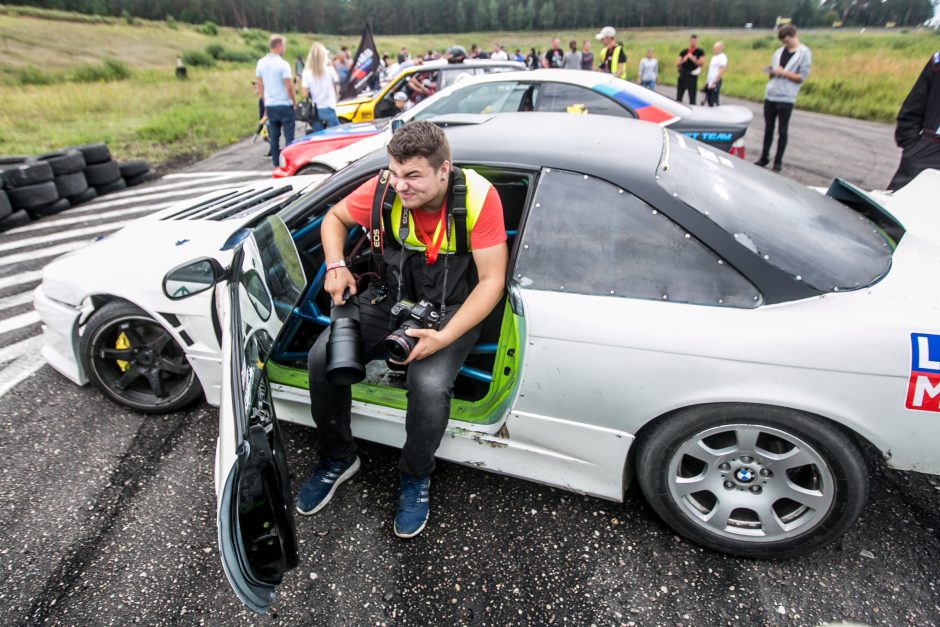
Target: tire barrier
[(35, 186)]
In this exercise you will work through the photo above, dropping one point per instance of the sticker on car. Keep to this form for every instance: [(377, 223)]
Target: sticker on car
[(923, 389)]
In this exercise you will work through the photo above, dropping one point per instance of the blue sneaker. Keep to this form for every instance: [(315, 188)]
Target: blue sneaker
[(321, 485), (414, 503)]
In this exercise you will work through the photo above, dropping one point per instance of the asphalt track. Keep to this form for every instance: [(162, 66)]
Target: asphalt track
[(108, 516)]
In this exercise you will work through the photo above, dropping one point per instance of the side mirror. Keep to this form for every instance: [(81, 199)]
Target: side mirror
[(397, 124), (192, 278)]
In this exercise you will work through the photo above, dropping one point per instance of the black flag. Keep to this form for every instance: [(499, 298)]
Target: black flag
[(365, 68)]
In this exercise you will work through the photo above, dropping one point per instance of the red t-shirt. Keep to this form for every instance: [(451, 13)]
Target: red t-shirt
[(487, 231)]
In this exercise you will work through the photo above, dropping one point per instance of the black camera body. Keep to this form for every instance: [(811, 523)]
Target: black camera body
[(409, 315)]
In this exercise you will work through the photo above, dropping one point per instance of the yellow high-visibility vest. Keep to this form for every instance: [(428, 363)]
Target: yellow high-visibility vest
[(477, 190), (615, 69)]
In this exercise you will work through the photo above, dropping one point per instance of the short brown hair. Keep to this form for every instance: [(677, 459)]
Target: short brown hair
[(787, 30), (274, 40), (420, 139)]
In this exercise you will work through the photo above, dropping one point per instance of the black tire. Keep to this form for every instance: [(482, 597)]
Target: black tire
[(153, 363), (28, 173), (64, 161), (32, 196), (315, 168), (5, 207), (141, 178), (742, 480), (15, 219), (13, 160), (133, 168), (94, 153), (71, 184), (89, 194), (102, 173), (113, 186), (7, 163), (49, 210)]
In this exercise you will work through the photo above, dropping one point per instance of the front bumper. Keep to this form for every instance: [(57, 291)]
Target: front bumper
[(60, 335)]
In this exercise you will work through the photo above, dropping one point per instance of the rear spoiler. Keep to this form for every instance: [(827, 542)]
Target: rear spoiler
[(857, 199)]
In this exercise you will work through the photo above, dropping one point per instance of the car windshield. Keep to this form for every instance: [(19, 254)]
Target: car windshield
[(498, 97), (809, 236)]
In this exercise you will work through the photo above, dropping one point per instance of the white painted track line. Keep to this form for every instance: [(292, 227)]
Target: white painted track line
[(20, 278), (18, 322), (19, 361), (42, 253), (16, 300), (117, 213), (67, 234)]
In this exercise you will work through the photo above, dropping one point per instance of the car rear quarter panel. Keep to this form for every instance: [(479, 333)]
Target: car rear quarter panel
[(620, 363)]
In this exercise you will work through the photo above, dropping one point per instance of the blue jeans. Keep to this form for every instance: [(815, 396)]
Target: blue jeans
[(649, 84), (327, 117), (712, 95), (279, 117), (430, 386)]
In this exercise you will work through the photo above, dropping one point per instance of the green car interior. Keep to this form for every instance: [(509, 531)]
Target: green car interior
[(483, 390)]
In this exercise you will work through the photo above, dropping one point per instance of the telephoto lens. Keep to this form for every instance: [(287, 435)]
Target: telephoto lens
[(344, 350)]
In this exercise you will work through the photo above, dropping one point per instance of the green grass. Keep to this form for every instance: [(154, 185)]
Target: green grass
[(67, 79)]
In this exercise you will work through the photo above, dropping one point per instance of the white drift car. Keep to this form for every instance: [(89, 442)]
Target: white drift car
[(725, 335)]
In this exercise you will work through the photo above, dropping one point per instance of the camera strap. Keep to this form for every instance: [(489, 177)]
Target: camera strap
[(381, 216)]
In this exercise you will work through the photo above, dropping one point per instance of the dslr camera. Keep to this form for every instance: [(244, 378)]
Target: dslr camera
[(408, 315)]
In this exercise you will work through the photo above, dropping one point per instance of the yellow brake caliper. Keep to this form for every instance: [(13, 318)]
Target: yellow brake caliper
[(122, 343)]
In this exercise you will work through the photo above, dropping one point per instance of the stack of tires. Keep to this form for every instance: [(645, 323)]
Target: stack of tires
[(30, 187), (136, 172), (9, 218), (68, 171), (102, 172)]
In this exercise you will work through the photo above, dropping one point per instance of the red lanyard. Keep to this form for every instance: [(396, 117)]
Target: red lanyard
[(430, 253)]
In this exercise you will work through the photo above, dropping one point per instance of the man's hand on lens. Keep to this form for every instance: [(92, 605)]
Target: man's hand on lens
[(429, 342), (337, 281)]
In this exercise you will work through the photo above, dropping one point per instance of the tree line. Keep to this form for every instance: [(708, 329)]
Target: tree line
[(392, 17)]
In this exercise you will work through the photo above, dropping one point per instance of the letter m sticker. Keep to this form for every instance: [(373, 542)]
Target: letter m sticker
[(923, 388)]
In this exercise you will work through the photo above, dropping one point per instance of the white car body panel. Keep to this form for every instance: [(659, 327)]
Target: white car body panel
[(570, 455), (130, 265)]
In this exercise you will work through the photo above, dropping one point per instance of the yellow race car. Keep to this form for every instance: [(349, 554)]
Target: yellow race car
[(416, 82)]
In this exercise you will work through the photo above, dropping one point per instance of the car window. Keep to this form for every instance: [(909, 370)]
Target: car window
[(499, 97), (811, 237), (565, 98), (634, 97), (455, 75), (587, 236)]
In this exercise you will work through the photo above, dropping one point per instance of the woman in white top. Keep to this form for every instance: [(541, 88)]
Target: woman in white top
[(319, 84)]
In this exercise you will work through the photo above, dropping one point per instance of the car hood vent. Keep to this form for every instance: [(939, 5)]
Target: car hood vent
[(232, 204)]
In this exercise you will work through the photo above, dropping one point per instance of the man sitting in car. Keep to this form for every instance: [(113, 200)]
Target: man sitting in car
[(421, 86), (448, 247)]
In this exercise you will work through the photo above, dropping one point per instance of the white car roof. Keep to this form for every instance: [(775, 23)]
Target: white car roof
[(582, 78)]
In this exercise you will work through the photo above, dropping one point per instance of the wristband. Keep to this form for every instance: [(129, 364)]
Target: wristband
[(336, 264)]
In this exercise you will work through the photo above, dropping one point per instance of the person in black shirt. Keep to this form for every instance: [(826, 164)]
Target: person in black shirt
[(532, 60), (690, 66), (554, 56), (918, 129)]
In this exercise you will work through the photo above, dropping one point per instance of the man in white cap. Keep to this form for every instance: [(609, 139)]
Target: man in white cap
[(613, 59), (401, 101)]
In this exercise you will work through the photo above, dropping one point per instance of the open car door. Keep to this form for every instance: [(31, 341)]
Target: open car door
[(257, 537)]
